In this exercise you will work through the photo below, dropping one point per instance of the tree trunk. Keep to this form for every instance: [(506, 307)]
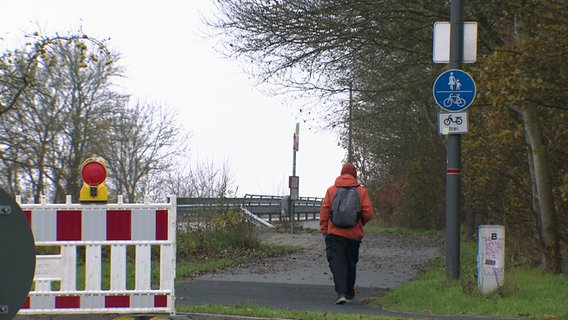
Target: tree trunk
[(551, 261)]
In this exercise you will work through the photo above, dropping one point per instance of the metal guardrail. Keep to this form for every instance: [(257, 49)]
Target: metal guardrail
[(264, 206), (306, 207)]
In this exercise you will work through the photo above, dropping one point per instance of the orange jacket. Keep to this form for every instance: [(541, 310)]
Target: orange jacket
[(355, 232)]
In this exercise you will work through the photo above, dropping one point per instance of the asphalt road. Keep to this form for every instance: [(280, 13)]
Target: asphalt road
[(298, 297)]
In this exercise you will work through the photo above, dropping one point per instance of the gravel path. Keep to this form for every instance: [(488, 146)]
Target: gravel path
[(386, 260)]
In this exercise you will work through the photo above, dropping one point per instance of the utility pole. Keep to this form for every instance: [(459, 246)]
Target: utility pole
[(453, 163)]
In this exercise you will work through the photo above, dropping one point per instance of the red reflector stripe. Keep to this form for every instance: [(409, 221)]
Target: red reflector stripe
[(161, 224), (117, 301), (453, 171), (67, 302), (28, 215), (119, 225), (69, 225), (26, 304), (160, 301)]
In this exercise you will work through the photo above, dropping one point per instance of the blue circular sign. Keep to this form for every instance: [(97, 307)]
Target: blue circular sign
[(454, 90)]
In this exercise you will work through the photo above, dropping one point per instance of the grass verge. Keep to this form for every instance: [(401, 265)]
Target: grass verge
[(264, 312), (526, 293)]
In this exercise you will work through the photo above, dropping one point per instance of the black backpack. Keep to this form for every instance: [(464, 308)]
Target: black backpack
[(345, 207)]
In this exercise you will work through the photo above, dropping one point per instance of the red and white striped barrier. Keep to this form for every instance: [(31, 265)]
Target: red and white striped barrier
[(98, 224), (102, 242)]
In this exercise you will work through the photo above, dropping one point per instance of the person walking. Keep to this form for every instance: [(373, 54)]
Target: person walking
[(342, 241)]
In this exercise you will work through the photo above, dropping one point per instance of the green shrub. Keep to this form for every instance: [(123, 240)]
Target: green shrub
[(222, 234)]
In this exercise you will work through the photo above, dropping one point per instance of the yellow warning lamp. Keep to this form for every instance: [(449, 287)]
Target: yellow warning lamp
[(93, 172)]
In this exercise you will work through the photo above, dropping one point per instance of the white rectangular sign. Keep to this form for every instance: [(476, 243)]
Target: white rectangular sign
[(452, 122), (441, 42)]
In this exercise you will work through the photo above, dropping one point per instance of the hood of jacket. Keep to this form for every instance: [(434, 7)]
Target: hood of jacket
[(346, 180)]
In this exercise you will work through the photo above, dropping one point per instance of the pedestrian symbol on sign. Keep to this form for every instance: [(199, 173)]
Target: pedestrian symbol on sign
[(452, 81), (454, 90)]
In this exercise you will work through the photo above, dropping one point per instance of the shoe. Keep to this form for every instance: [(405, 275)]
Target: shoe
[(341, 299)]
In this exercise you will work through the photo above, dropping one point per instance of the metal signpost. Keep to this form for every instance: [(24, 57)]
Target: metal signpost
[(294, 181), (454, 90)]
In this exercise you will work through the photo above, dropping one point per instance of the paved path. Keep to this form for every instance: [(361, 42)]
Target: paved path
[(278, 295), (298, 297), (302, 281)]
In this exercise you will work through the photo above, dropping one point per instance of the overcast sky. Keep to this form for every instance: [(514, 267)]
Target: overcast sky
[(167, 61)]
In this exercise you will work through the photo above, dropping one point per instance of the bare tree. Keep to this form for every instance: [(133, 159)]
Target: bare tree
[(201, 179), (91, 104), (212, 182), (63, 109), (58, 92), (145, 141)]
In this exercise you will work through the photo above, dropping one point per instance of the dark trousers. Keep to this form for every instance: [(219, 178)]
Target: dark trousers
[(342, 256)]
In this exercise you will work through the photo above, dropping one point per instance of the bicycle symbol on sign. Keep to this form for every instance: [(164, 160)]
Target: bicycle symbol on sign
[(449, 120), (454, 99)]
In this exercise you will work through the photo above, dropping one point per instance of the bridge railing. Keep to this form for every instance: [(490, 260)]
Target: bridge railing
[(268, 207), (263, 205), (307, 206)]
